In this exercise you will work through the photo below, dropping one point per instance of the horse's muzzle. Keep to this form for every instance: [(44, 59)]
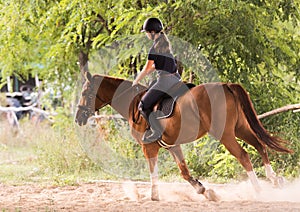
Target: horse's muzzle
[(79, 122)]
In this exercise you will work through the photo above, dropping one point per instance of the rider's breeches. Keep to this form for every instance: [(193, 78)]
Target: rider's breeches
[(157, 91)]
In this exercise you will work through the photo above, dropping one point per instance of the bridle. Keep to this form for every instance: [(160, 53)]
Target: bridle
[(87, 109)]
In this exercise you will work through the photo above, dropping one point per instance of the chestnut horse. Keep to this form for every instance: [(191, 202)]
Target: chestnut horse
[(223, 110)]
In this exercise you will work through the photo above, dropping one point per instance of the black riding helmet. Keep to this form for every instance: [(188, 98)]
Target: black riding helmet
[(152, 24)]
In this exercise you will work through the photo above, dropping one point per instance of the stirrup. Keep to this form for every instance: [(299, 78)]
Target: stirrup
[(151, 136), (147, 133)]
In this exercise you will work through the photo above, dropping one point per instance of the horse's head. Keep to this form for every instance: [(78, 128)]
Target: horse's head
[(86, 104), (99, 91)]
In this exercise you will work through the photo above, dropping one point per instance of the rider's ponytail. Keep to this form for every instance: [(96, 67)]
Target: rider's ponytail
[(163, 45)]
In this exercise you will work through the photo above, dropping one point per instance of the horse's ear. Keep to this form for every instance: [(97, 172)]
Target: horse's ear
[(88, 76)]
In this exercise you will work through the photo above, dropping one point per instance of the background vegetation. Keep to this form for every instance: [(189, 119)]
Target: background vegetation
[(252, 42)]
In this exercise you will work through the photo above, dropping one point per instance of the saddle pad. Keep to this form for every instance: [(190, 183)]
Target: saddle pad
[(166, 105)]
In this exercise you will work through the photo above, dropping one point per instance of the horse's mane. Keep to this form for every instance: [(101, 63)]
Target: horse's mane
[(108, 77), (114, 80)]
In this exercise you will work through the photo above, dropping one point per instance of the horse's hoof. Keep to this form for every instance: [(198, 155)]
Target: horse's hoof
[(154, 193), (211, 195), (200, 189), (279, 182), (155, 198)]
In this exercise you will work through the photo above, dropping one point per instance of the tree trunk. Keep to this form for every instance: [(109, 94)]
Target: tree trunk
[(83, 64)]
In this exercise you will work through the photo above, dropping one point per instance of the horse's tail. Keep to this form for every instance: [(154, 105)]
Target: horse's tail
[(261, 133)]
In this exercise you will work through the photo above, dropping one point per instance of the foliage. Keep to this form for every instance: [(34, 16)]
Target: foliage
[(239, 37)]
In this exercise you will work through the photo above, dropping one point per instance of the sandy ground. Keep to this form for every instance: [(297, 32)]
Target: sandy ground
[(135, 196)]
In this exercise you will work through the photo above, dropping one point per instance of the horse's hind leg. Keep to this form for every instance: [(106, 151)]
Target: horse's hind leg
[(242, 156), (176, 152), (250, 138)]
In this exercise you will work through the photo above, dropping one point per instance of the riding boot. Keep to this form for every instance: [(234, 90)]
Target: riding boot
[(156, 130)]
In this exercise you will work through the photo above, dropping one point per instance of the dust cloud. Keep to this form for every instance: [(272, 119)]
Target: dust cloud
[(241, 191)]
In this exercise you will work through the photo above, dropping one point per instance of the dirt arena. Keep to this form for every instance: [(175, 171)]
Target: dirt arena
[(135, 196)]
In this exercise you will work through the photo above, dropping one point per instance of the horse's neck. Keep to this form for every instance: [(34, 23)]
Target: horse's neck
[(122, 95)]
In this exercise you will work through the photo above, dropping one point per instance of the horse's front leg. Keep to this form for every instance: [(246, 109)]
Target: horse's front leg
[(151, 154), (179, 158)]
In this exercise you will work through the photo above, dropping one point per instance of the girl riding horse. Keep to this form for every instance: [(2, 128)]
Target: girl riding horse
[(161, 59)]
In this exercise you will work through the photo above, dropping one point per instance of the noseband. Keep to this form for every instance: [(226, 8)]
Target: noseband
[(90, 95)]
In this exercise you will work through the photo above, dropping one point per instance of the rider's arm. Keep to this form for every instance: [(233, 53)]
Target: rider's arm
[(148, 69)]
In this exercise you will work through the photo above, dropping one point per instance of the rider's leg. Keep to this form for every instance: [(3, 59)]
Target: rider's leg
[(146, 107)]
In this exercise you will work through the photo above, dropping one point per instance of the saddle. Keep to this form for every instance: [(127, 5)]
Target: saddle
[(167, 103)]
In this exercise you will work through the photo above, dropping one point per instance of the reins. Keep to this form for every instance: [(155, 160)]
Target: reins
[(133, 112), (118, 96)]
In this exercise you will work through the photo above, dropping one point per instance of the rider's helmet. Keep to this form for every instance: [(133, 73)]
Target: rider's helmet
[(152, 24)]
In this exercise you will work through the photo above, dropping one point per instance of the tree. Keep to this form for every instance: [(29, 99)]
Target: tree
[(255, 43)]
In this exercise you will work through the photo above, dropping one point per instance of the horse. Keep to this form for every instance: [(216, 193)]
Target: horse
[(223, 110)]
